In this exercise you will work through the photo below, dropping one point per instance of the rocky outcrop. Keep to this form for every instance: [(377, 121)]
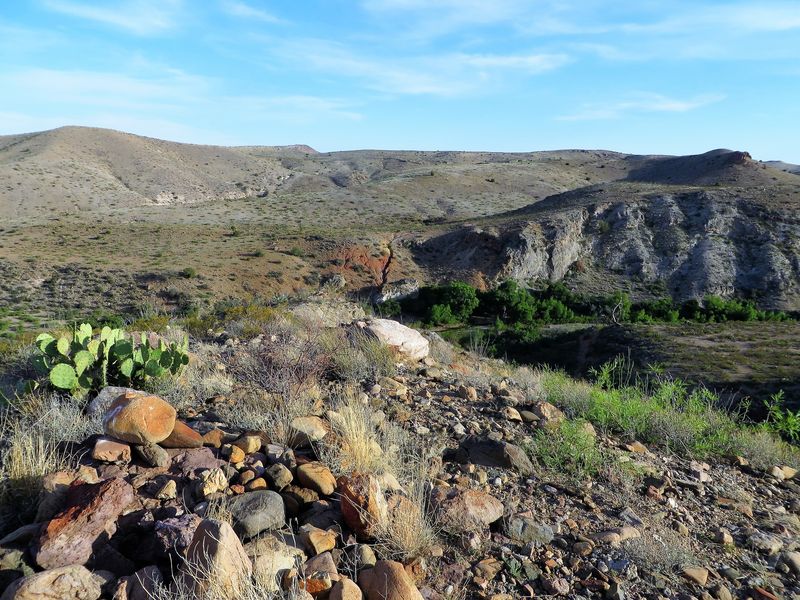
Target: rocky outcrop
[(692, 242)]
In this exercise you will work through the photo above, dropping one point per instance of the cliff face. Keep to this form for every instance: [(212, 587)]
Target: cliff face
[(687, 243)]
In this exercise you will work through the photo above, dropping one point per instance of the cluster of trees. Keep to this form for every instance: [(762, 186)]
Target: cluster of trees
[(513, 306)]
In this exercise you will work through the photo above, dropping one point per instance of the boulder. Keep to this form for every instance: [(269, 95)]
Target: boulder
[(87, 522), (182, 436), (71, 582), (362, 503), (397, 290), (317, 477), (174, 534), (257, 511), (465, 510), (216, 563), (408, 343), (139, 418), (387, 580)]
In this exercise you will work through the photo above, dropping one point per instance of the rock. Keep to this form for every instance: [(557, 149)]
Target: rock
[(173, 535), (308, 430), (468, 393), (210, 482), (792, 561), (71, 582), (465, 510), (512, 414), (322, 563), (557, 586), (107, 449), (488, 568), (139, 418), (317, 477), (258, 511), (249, 443), (271, 559), (234, 454), (765, 543), (397, 290), (788, 472), (636, 447), (142, 585), (723, 536), (408, 343), (317, 540), (88, 520), (168, 491), (345, 589), (98, 406), (491, 453), (387, 580), (362, 503), (192, 461), (182, 436), (548, 416), (526, 530), (54, 494), (153, 454), (215, 560), (214, 438), (259, 483), (698, 575), (278, 476)]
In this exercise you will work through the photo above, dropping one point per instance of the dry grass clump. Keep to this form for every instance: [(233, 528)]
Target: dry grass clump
[(765, 450), (357, 355), (409, 530), (28, 454), (363, 443), (661, 550)]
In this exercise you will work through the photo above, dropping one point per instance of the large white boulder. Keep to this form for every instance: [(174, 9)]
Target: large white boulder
[(408, 343)]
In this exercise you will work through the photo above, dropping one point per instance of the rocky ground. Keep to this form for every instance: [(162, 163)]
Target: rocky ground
[(184, 504)]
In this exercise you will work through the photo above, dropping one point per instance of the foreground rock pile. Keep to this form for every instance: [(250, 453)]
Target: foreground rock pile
[(201, 509)]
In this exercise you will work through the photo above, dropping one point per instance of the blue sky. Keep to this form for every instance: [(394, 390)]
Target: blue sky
[(672, 77)]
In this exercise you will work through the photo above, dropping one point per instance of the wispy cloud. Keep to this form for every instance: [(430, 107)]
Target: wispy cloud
[(641, 102), (447, 74), (140, 17), (246, 11)]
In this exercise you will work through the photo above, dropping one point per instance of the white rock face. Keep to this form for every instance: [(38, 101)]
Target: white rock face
[(407, 342)]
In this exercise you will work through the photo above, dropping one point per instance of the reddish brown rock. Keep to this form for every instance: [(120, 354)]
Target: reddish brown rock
[(86, 523), (362, 502), (183, 436), (388, 580), (139, 418), (110, 450), (465, 510)]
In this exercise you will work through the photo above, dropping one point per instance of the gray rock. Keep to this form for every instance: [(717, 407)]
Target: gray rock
[(153, 454), (99, 404), (257, 511), (492, 453), (278, 476), (526, 530)]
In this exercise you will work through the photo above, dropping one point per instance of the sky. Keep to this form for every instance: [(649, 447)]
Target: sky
[(646, 77)]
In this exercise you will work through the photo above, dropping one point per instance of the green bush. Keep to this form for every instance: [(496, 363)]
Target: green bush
[(569, 451)]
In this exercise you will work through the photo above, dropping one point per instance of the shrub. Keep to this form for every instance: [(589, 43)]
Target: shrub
[(357, 356), (189, 273), (570, 451)]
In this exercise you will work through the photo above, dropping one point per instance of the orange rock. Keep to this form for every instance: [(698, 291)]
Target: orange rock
[(183, 436), (139, 418), (362, 503), (214, 438)]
